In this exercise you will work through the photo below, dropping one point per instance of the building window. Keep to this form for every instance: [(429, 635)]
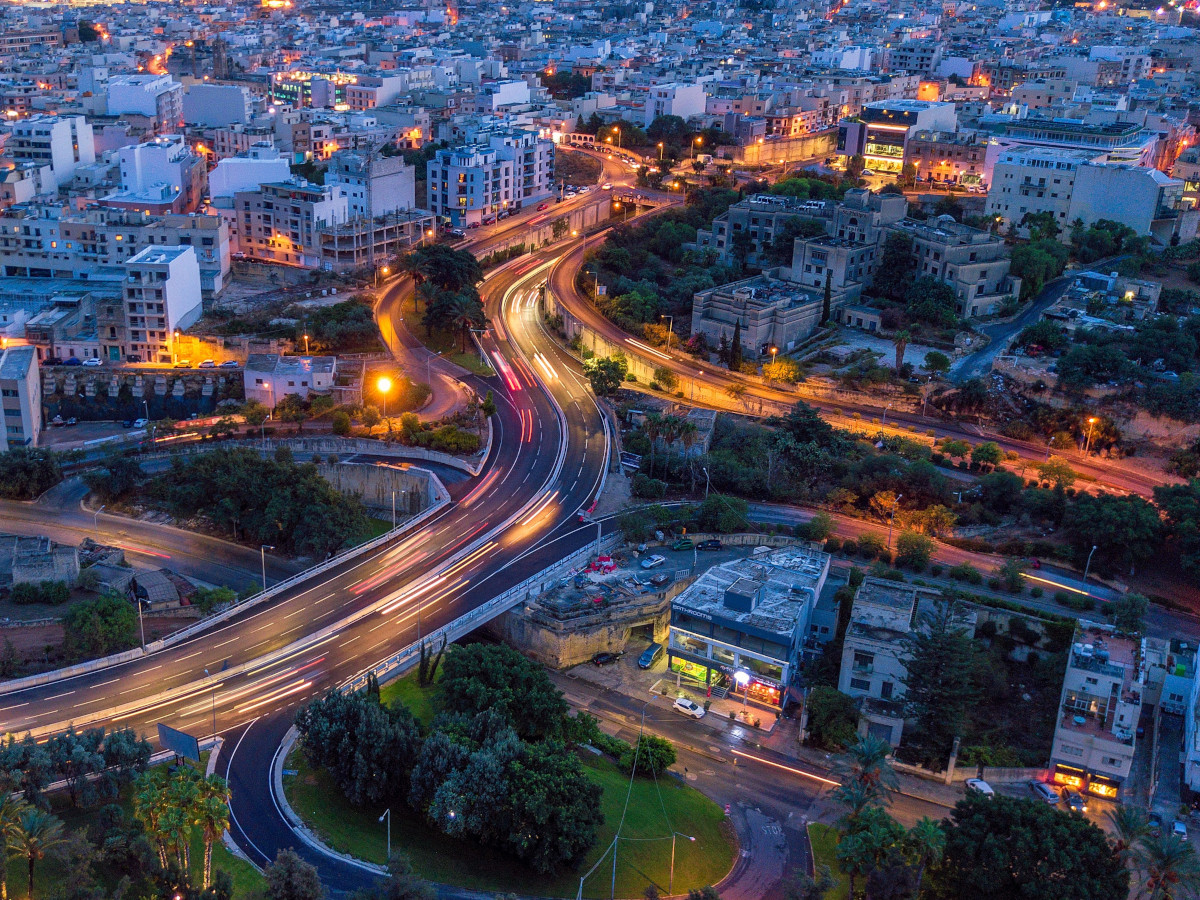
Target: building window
[(885, 690), (859, 684)]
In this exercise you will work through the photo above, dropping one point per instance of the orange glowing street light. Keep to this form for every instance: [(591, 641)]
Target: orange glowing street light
[(384, 386)]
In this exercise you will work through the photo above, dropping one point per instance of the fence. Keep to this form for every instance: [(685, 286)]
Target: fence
[(396, 664), (442, 499)]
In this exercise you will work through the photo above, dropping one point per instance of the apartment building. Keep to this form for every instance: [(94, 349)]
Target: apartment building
[(1114, 142), (237, 140), (1187, 169), (29, 40), (974, 262), (915, 56), (160, 176), (948, 157), (762, 217), (20, 397), (772, 312), (883, 615), (282, 221), (478, 183), (217, 105), (62, 143), (1145, 199), (882, 130), (747, 620), (372, 241), (155, 100), (375, 185), (1029, 180), (1101, 704), (161, 295), (673, 99)]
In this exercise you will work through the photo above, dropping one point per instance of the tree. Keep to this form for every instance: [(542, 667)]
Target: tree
[(868, 762), (368, 748), (987, 454), (1131, 826), (95, 628), (483, 676), (1129, 613), (341, 423), (901, 339), (827, 298), (555, 807), (402, 883), (1002, 847), (735, 348), (38, 833), (1169, 867), (606, 374), (1086, 365), (212, 813), (832, 718), (736, 392), (116, 477), (291, 878), (931, 301), (27, 473), (292, 409), (941, 686), (818, 528), (666, 379), (937, 363), (1124, 530), (871, 842), (802, 886), (10, 824), (652, 756), (1180, 504), (1057, 471), (893, 278), (883, 504), (927, 844), (255, 413)]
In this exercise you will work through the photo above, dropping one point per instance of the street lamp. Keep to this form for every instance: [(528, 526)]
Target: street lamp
[(617, 132), (696, 143), (671, 877), (670, 328), (385, 271), (384, 386), (1087, 448), (306, 345), (705, 482), (774, 350), (742, 677), (387, 814), (885, 409), (1088, 567), (96, 519), (263, 549), (892, 519), (660, 151)]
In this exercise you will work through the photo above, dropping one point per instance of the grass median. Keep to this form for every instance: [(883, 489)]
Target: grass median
[(824, 841)]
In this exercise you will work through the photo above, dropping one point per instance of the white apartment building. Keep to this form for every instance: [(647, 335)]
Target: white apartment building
[(873, 669), (282, 221), (269, 377), (674, 99), (1101, 705), (478, 183), (261, 164), (217, 105), (1029, 180), (156, 98), (163, 174), (161, 295), (1132, 195), (20, 398), (391, 186), (64, 143)]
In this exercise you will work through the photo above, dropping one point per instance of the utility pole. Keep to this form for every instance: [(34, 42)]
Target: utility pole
[(892, 519)]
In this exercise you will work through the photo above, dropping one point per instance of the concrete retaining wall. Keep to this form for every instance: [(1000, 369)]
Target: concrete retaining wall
[(374, 483)]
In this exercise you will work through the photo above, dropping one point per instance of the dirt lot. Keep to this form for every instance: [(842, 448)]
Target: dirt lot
[(38, 647)]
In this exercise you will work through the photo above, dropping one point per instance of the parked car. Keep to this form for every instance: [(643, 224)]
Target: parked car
[(607, 186), (979, 786), (457, 232), (1179, 829), (651, 562), (184, 364), (128, 423), (72, 361), (140, 423), (93, 362), (72, 421), (688, 707), (208, 364), (1075, 800), (230, 364), (684, 544), (660, 580), (711, 544), (650, 655), (542, 206), (1044, 792), (52, 361), (605, 659), (132, 358)]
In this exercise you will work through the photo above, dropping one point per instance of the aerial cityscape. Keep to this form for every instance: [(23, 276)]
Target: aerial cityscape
[(721, 451)]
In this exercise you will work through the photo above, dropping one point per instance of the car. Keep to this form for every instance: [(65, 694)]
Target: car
[(128, 423), (56, 422), (1179, 829), (72, 421), (72, 361), (93, 361), (472, 224), (606, 659), (866, 173), (653, 561), (650, 655), (52, 361), (1044, 792), (688, 707), (660, 580), (208, 364), (1075, 800), (140, 423), (979, 786), (230, 364), (710, 544), (1154, 822), (684, 544), (184, 364), (457, 232), (542, 206), (132, 358), (607, 186)]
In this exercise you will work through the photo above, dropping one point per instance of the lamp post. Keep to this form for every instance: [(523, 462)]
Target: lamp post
[(387, 814), (742, 677), (213, 685), (670, 328), (385, 271), (1087, 447), (773, 350), (885, 410), (892, 519), (384, 386), (660, 151), (617, 132), (306, 344), (141, 626), (696, 143), (96, 519), (705, 481), (263, 550), (1088, 567), (671, 877)]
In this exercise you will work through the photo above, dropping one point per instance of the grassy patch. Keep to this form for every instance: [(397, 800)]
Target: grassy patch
[(824, 840), (376, 527), (439, 858), (422, 702), (447, 343)]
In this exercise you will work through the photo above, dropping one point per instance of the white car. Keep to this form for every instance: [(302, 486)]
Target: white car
[(140, 423), (651, 562), (93, 361), (607, 186), (1179, 829), (688, 707), (979, 786)]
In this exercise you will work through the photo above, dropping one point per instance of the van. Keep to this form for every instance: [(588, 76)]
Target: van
[(650, 655)]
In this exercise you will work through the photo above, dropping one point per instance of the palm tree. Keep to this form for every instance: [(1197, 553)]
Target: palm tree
[(868, 762), (687, 436), (901, 339), (1169, 867), (464, 314), (10, 822), (212, 815), (37, 833), (855, 797), (652, 424), (149, 804), (1131, 826), (927, 843)]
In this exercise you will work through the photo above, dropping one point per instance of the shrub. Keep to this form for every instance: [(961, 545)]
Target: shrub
[(341, 423), (995, 584), (885, 556), (51, 592), (1036, 591), (935, 570), (833, 545), (913, 550), (849, 548), (648, 488)]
